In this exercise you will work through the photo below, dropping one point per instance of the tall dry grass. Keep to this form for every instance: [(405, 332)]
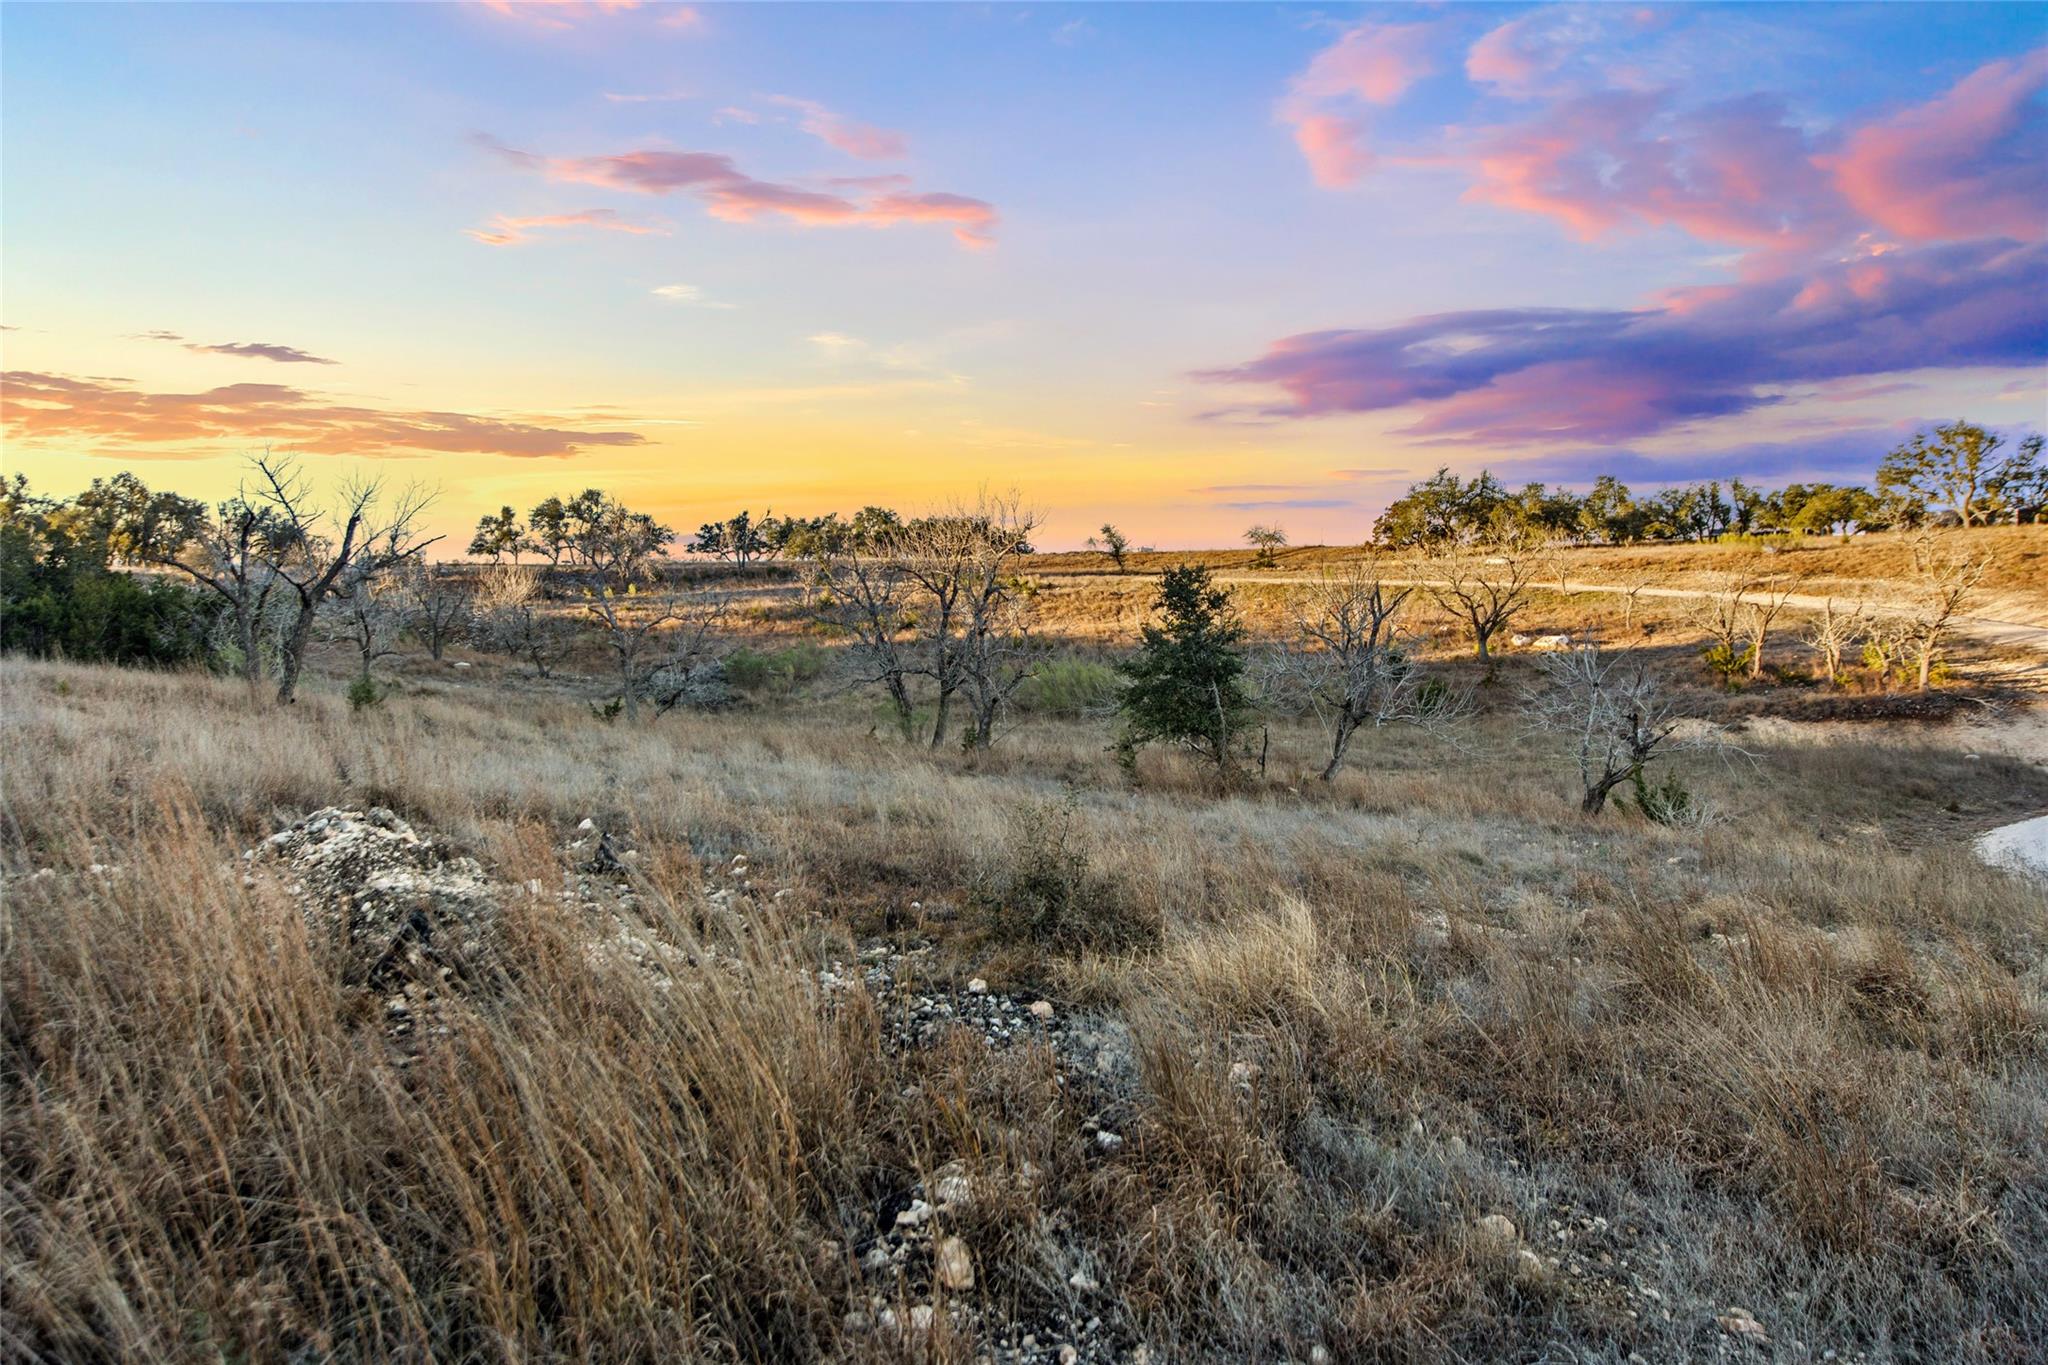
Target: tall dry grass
[(1797, 1060)]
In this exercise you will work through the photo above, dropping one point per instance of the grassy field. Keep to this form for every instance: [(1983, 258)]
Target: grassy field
[(1418, 1065)]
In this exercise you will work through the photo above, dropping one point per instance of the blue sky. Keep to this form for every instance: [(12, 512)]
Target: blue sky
[(1125, 257)]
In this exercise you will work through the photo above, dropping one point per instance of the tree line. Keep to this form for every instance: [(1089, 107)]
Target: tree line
[(931, 612), (1959, 474)]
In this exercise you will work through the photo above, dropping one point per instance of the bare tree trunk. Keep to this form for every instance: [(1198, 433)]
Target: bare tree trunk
[(1340, 742), (295, 654)]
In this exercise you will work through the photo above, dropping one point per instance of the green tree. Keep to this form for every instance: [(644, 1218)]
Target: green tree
[(1441, 510), (1958, 466), (1113, 543), (61, 596), (1610, 513), (498, 535), (739, 539), (1185, 685)]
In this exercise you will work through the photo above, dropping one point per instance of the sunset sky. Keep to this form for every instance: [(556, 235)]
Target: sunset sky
[(1183, 268)]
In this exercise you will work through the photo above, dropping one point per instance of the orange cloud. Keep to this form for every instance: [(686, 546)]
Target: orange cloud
[(47, 407), (510, 231)]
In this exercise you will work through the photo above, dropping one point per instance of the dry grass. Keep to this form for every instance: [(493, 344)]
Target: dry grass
[(1796, 1060)]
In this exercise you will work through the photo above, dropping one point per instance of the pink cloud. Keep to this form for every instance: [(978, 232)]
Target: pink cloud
[(862, 140), (1508, 58), (1736, 172), (509, 231), (1377, 63), (973, 221), (1334, 148), (1370, 65), (735, 197), (556, 13), (1968, 163)]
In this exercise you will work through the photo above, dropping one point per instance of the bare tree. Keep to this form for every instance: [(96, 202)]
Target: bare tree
[(367, 615), (1887, 644), (1632, 586), (1760, 609), (316, 552), (1265, 539), (863, 592), (936, 599), (1484, 591), (1718, 613), (230, 554), (438, 605), (1347, 663), (657, 636), (958, 566), (1737, 614), (997, 647), (1613, 710), (516, 619), (1832, 633), (1948, 576)]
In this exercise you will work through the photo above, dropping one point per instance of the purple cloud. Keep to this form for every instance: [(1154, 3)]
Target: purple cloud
[(247, 350), (1529, 374)]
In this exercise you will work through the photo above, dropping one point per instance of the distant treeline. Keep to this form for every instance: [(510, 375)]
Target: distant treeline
[(1955, 474)]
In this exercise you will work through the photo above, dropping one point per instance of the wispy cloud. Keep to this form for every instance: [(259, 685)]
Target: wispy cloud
[(137, 423), (246, 350), (685, 295), (506, 230), (732, 195), (862, 140), (1371, 65), (667, 97)]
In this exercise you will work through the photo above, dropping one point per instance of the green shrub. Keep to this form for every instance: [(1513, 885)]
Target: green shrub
[(102, 617), (1731, 664), (1667, 803), (779, 671), (364, 693), (1071, 688), (1042, 886)]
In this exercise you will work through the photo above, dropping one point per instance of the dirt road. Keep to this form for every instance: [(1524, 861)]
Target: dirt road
[(2012, 634)]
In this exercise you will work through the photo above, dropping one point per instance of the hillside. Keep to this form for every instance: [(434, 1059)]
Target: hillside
[(762, 1035)]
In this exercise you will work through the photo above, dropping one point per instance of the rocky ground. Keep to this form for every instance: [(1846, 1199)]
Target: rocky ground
[(415, 922)]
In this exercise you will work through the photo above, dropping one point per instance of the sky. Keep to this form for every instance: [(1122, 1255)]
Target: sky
[(1182, 268)]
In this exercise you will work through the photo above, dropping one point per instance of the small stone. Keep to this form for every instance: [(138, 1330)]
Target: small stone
[(587, 825), (953, 1189), (1741, 1322), (914, 1216), (1109, 1141), (1081, 1280), (1068, 1355), (1041, 1009), (954, 1264), (977, 987), (1318, 1355), (1497, 1227), (921, 1316)]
